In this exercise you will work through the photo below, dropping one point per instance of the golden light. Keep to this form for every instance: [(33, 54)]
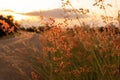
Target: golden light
[(18, 17), (25, 6)]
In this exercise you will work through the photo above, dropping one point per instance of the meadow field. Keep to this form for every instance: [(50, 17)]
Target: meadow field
[(55, 53), (61, 50)]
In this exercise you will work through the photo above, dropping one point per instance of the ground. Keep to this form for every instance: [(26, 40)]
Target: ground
[(15, 56)]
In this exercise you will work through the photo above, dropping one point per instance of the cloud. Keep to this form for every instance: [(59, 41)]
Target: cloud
[(56, 13), (7, 10)]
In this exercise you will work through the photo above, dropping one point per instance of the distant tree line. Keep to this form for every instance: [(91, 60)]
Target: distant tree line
[(38, 29)]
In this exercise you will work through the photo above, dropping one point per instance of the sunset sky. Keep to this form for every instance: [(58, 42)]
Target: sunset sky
[(27, 6), (35, 5)]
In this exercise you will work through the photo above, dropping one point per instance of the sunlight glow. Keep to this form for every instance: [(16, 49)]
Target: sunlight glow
[(26, 6), (18, 17)]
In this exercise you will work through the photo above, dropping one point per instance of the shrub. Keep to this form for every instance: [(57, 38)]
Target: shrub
[(7, 25)]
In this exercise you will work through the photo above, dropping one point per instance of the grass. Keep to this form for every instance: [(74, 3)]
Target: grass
[(79, 54)]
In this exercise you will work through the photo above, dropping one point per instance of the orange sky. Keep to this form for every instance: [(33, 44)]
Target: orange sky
[(25, 6), (35, 5)]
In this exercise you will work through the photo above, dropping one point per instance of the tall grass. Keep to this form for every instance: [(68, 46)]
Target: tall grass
[(80, 53)]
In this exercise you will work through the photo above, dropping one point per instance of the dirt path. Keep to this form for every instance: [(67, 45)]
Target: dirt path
[(15, 56)]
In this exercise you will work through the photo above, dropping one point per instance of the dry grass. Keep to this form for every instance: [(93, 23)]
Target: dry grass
[(80, 54)]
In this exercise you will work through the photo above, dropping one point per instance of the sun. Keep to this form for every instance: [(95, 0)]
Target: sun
[(18, 17)]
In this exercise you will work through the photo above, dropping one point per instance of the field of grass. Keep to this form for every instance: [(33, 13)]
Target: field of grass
[(58, 52), (79, 54)]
